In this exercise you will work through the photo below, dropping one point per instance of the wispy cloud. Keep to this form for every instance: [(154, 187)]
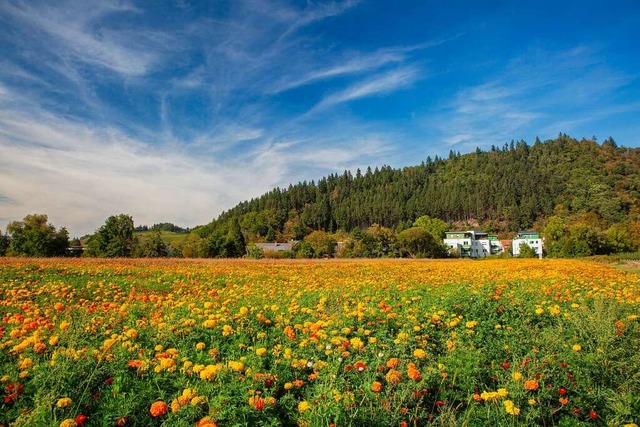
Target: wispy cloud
[(78, 34), (379, 84), (574, 85)]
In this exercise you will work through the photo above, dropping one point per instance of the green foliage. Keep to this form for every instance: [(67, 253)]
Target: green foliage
[(4, 244), (33, 236), (527, 251), (153, 246), (417, 242), (323, 244), (436, 227), (504, 190), (114, 239)]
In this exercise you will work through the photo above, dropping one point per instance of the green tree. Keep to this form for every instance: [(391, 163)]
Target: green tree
[(235, 245), (4, 244), (33, 236), (322, 243), (114, 239), (555, 234), (435, 226), (153, 246), (417, 242), (619, 238), (194, 246), (527, 251)]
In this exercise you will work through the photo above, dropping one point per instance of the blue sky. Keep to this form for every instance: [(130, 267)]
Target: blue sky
[(176, 110)]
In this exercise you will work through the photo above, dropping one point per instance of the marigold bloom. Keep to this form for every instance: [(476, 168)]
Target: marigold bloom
[(158, 408), (261, 351), (206, 422), (517, 376), (412, 372), (64, 402), (531, 385), (419, 353), (393, 377), (376, 387), (304, 406), (577, 347), (69, 422), (392, 363)]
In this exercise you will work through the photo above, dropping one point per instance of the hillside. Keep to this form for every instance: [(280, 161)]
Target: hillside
[(506, 188)]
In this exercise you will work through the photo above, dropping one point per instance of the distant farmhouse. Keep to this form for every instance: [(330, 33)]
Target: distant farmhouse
[(530, 238), (276, 247), (473, 243), (478, 244)]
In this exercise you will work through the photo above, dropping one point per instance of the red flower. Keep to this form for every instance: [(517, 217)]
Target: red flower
[(562, 391), (109, 381), (593, 415), (81, 419)]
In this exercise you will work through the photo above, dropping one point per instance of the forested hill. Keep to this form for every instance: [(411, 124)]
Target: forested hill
[(504, 189)]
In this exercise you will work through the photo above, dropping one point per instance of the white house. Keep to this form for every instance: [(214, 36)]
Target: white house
[(473, 243), (530, 238)]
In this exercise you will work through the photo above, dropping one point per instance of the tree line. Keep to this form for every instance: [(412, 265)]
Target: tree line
[(582, 195)]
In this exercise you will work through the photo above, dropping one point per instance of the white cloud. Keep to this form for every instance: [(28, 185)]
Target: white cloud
[(76, 33), (380, 84)]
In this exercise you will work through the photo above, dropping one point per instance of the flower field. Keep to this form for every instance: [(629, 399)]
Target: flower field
[(318, 343)]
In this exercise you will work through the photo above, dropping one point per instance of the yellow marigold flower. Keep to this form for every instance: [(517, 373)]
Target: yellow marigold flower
[(304, 406), (175, 405), (472, 324), (502, 392), (201, 346), (288, 386), (510, 408), (517, 376), (227, 330), (209, 372), (69, 422), (198, 400), (53, 340), (235, 366), (64, 402), (419, 353), (64, 325), (261, 351), (532, 402), (577, 347), (26, 363)]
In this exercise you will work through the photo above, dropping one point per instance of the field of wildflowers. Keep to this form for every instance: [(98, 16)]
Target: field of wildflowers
[(318, 343)]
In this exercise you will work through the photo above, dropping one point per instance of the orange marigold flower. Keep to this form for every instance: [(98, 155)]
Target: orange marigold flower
[(206, 422), (531, 385), (158, 408), (412, 372), (393, 376), (392, 363), (376, 387)]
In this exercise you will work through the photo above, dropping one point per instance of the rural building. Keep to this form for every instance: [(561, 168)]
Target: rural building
[(530, 238), (473, 243), (276, 247)]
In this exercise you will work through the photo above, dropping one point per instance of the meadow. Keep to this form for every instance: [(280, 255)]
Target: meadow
[(318, 343)]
